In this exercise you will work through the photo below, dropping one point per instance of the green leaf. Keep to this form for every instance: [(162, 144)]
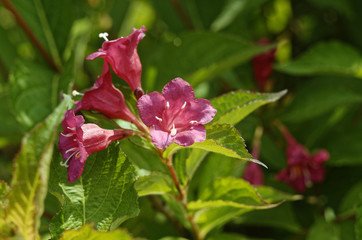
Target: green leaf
[(32, 97), (30, 177), (224, 200), (235, 106), (154, 184), (323, 230), (227, 236), (321, 95), (87, 232), (5, 227), (358, 226), (328, 58), (281, 217), (271, 195), (223, 139), (192, 58), (104, 194)]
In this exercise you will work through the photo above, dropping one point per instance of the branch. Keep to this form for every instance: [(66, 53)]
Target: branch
[(31, 35), (185, 18)]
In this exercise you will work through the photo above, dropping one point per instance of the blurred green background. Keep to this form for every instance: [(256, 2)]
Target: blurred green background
[(209, 43)]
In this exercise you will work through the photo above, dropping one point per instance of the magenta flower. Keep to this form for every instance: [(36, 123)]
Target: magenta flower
[(104, 97), (303, 168), (253, 174), (123, 57), (79, 140), (262, 65), (175, 115)]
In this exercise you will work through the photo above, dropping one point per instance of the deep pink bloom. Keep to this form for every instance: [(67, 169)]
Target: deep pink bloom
[(104, 97), (262, 65), (79, 140), (253, 174), (175, 115), (123, 57), (302, 168)]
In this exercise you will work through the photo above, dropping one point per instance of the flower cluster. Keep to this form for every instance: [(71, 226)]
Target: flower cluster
[(303, 169), (173, 115)]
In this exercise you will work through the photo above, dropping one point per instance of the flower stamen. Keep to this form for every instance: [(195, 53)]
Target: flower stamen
[(193, 121), (183, 106), (167, 105), (159, 119), (71, 149), (67, 135), (76, 93), (173, 130), (104, 36), (65, 164)]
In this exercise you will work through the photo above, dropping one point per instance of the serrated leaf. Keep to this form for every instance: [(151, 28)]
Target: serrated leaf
[(225, 199), (328, 58), (271, 195), (87, 232), (155, 184), (223, 139), (31, 93), (235, 106), (104, 195), (30, 177), (193, 60)]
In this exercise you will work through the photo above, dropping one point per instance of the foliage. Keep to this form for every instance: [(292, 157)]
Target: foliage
[(131, 190)]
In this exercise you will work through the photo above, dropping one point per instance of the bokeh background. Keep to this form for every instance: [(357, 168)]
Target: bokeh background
[(211, 44)]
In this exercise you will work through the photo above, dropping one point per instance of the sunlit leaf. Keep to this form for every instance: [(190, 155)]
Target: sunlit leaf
[(30, 178), (225, 199), (104, 195), (234, 106), (87, 232), (155, 183), (223, 139), (326, 58)]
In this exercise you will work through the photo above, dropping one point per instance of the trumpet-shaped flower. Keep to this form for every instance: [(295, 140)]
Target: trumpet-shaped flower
[(263, 65), (104, 97), (302, 168), (123, 57), (253, 174), (79, 140), (175, 115)]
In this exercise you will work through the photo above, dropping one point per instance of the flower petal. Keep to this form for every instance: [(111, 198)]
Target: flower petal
[(193, 134), (150, 106), (320, 156), (160, 138), (106, 98), (199, 110), (76, 165), (177, 92)]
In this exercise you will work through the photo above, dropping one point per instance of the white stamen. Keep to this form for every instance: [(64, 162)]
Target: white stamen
[(74, 139), (173, 130), (159, 119), (71, 149), (192, 122), (65, 164), (73, 129), (67, 135), (104, 36), (76, 93), (183, 106), (167, 104)]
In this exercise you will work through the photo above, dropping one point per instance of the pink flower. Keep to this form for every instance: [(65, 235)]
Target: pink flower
[(104, 97), (253, 174), (123, 57), (175, 115), (303, 168), (262, 65), (79, 140)]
